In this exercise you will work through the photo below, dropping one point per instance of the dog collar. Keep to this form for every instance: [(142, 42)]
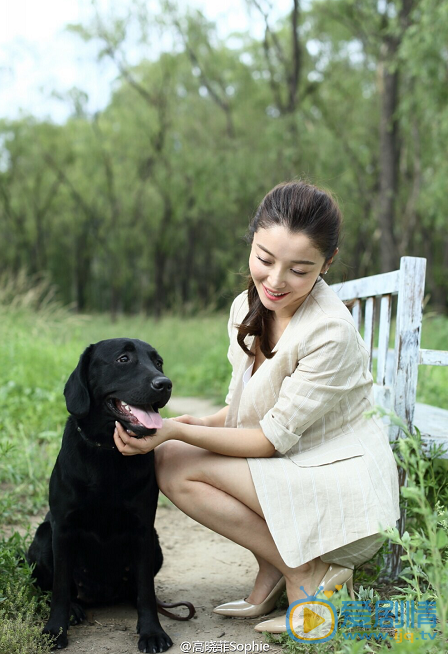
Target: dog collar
[(94, 443)]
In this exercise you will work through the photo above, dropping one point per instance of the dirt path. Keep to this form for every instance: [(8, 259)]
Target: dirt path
[(195, 406)]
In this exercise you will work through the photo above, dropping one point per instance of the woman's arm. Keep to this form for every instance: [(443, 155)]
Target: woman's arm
[(217, 419), (221, 440)]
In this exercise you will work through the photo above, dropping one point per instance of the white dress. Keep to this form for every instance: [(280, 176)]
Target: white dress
[(332, 482)]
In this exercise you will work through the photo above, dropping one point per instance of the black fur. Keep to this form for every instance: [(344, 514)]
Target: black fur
[(98, 542)]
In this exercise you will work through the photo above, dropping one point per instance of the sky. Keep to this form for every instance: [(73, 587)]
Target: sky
[(38, 57)]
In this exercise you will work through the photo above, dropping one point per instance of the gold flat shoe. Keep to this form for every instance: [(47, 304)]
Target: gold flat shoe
[(243, 609), (335, 577)]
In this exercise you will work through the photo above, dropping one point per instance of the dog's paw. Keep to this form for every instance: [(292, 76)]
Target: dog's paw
[(77, 614), (58, 636), (156, 642)]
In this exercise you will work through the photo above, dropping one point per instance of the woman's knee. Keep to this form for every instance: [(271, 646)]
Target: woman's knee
[(170, 464)]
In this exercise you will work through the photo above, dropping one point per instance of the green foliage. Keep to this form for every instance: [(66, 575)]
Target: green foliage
[(22, 607), (142, 207), (425, 544), (433, 380)]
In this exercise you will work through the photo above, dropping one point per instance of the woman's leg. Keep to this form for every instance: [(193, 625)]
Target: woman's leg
[(218, 492)]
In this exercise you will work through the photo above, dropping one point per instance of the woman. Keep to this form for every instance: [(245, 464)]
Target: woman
[(289, 468)]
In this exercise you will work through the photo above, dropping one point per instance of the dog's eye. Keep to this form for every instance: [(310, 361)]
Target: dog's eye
[(123, 359), (159, 364)]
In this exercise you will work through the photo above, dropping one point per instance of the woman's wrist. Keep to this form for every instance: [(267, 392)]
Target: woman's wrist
[(176, 430), (217, 419)]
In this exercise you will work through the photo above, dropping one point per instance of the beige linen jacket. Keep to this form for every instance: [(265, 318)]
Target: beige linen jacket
[(333, 478)]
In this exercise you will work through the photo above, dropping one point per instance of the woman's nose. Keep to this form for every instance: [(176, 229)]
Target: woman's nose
[(276, 279)]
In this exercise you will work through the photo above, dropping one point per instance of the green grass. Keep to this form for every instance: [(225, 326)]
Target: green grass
[(41, 344), (433, 380), (22, 605)]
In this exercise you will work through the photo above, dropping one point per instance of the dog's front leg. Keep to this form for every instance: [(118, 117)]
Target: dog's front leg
[(63, 552), (152, 636)]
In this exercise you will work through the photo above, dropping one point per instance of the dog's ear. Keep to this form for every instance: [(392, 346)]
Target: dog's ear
[(76, 391)]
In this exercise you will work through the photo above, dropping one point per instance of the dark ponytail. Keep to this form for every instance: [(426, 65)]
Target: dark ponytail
[(300, 207)]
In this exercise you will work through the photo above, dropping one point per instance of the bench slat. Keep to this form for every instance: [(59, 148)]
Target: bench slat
[(433, 358), (369, 327), (368, 286), (357, 313), (432, 421), (408, 334), (383, 339)]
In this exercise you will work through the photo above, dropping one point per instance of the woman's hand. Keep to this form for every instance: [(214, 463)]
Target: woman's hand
[(129, 446)]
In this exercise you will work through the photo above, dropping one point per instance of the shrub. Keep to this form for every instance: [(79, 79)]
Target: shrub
[(22, 606)]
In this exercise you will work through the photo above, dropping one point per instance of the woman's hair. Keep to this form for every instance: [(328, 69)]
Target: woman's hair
[(300, 207)]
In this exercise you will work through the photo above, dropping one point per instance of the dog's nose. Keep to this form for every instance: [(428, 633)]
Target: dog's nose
[(161, 384)]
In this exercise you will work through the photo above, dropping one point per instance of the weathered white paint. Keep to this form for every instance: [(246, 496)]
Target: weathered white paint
[(408, 333), (383, 396), (357, 313), (433, 358), (432, 423), (369, 326), (383, 339), (364, 287)]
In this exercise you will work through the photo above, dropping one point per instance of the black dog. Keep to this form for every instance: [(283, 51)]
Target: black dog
[(98, 542)]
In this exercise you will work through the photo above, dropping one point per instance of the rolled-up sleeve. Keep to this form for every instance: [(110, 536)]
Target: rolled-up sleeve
[(328, 368)]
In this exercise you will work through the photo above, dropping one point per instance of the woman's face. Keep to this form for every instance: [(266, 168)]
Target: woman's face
[(284, 266)]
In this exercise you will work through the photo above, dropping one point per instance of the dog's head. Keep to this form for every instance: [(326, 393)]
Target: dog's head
[(119, 379)]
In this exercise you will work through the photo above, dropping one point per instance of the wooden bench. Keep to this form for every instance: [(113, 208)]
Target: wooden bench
[(374, 306)]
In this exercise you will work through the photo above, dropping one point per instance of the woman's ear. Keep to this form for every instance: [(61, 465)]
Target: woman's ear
[(330, 260)]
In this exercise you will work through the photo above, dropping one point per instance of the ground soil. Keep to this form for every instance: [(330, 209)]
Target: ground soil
[(200, 567)]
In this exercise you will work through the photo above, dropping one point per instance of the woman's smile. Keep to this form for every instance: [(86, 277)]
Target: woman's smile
[(272, 295)]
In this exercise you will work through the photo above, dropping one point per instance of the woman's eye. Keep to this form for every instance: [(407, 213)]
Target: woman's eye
[(297, 272), (266, 263), (123, 359)]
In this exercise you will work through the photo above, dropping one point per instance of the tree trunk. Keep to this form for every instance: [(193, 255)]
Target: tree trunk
[(40, 256), (188, 265), (159, 302), (82, 271), (388, 161)]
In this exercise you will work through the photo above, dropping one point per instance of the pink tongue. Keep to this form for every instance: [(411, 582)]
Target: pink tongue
[(150, 419)]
